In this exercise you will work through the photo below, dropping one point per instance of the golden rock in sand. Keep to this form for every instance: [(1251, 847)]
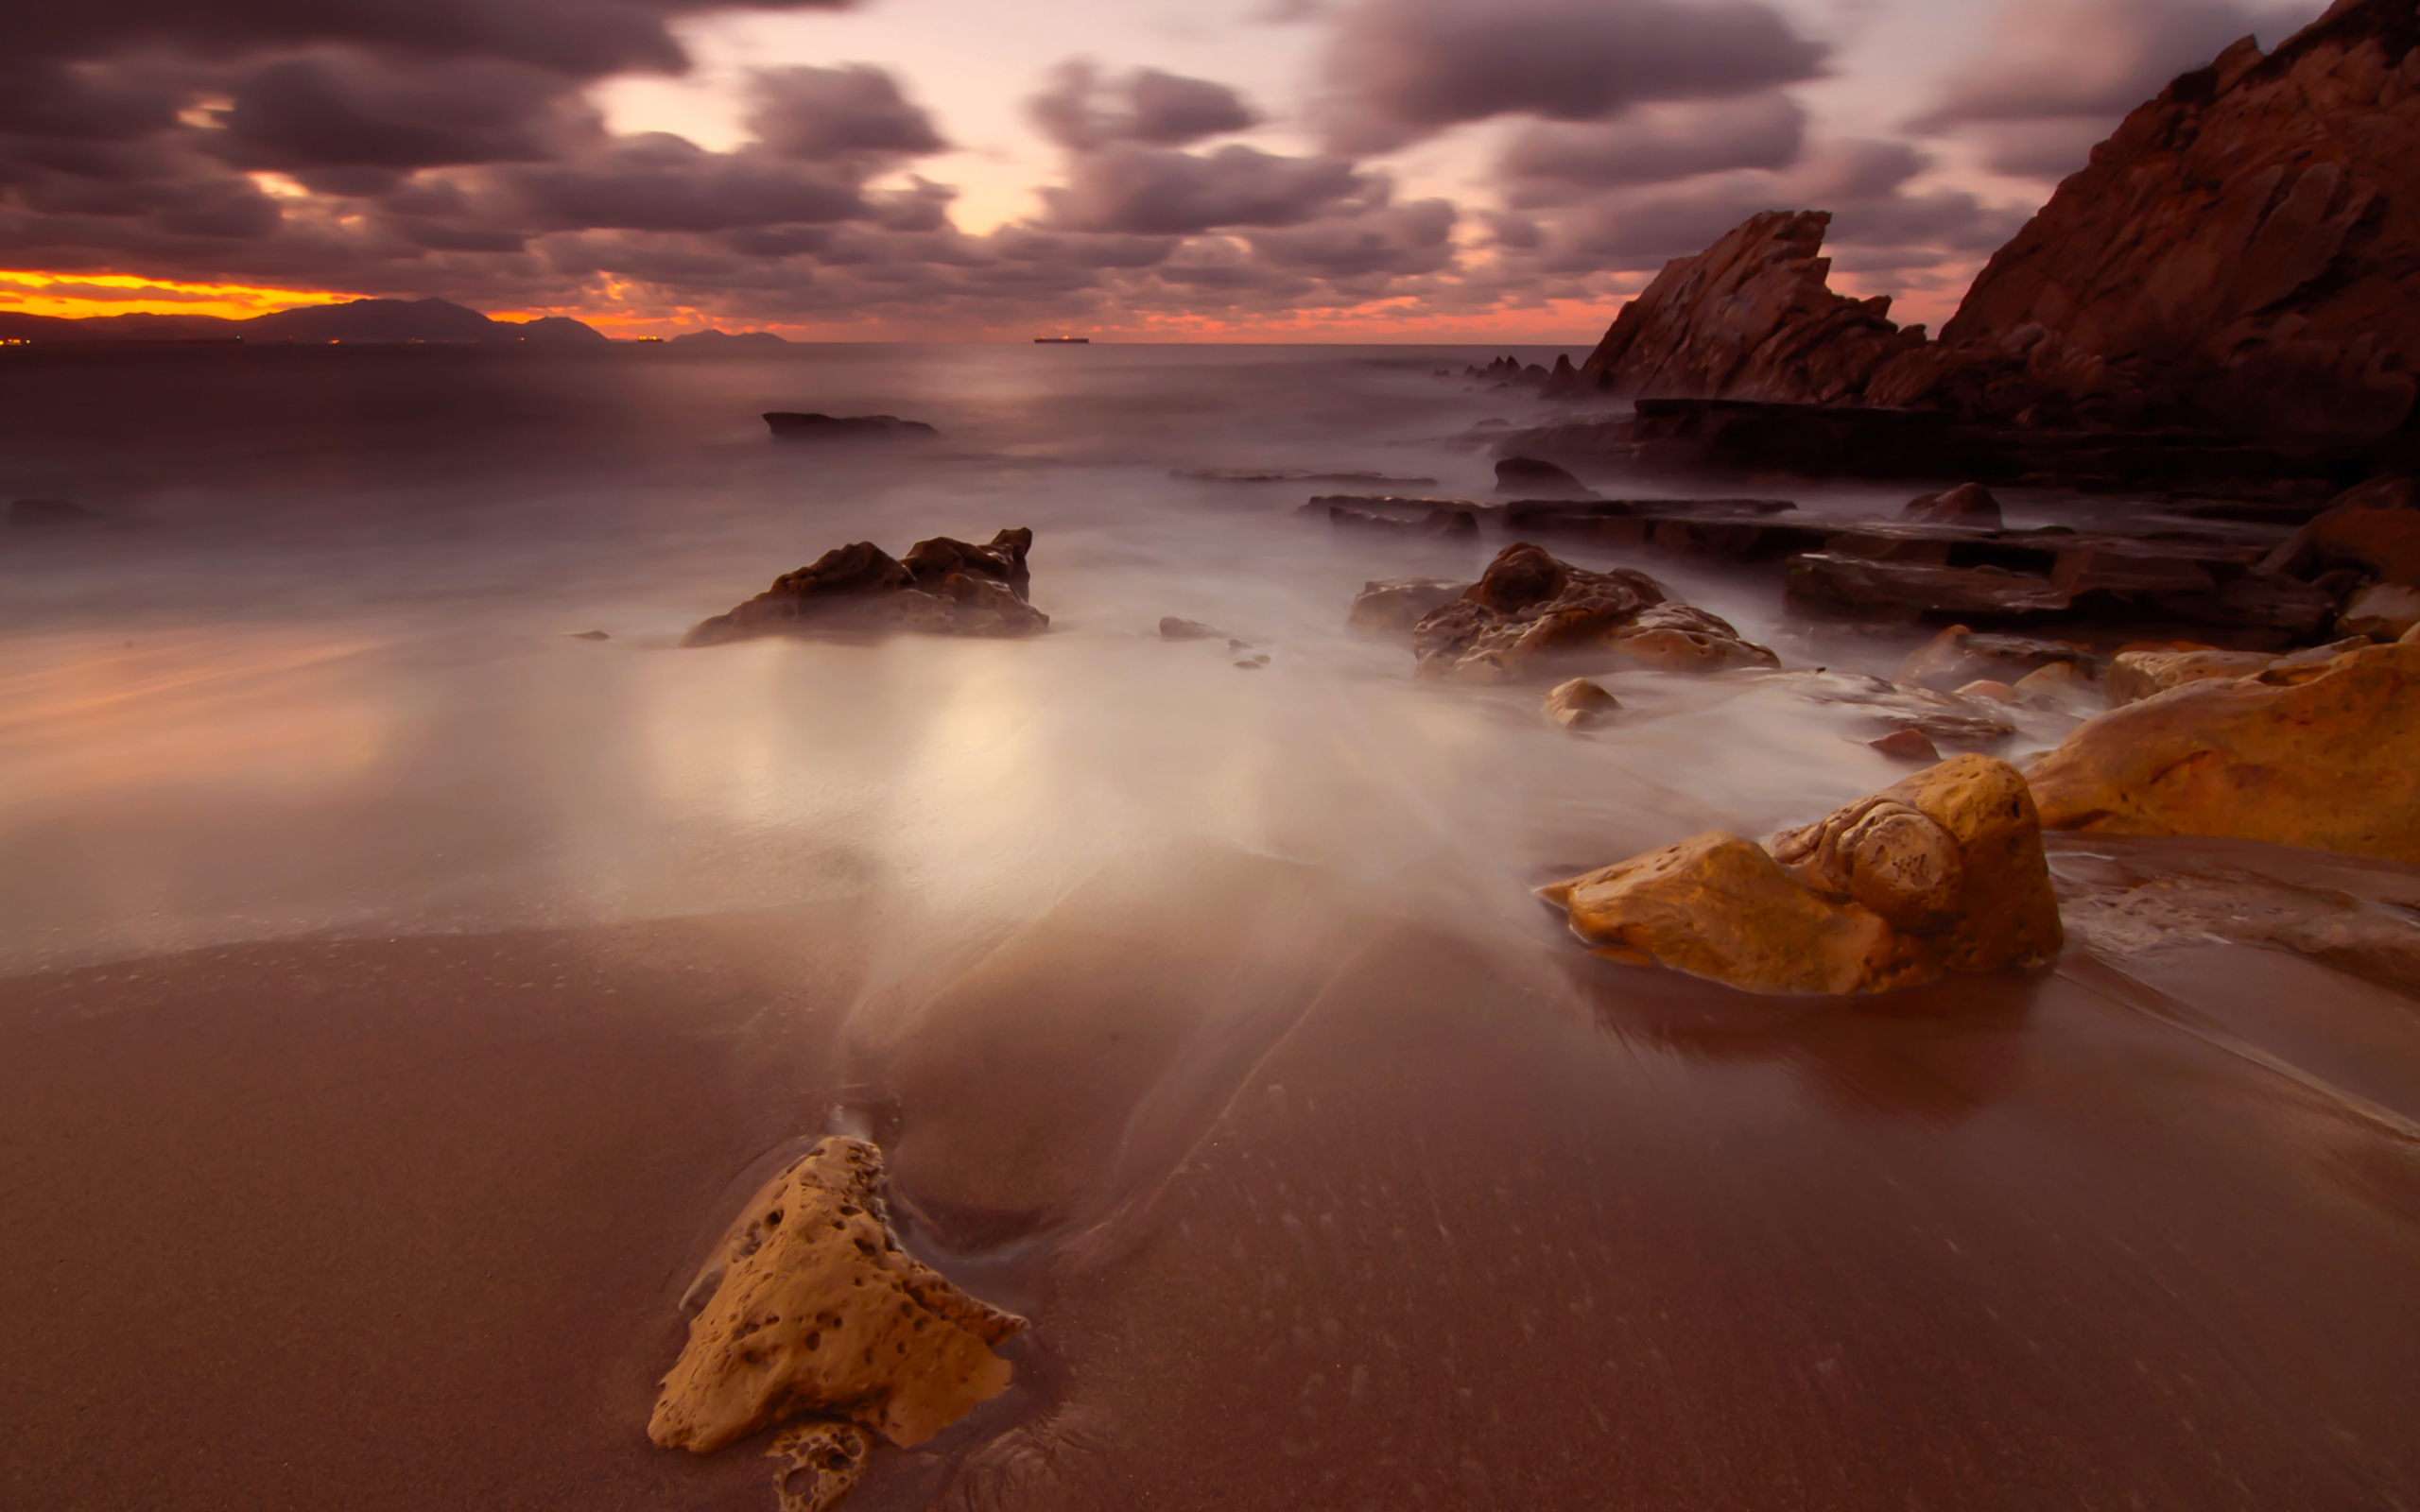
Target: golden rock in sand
[(2315, 753), (818, 1312), (1938, 873)]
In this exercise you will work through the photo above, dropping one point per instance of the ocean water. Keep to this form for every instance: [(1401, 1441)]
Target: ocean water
[(315, 669)]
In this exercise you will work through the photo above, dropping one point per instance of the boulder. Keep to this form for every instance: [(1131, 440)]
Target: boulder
[(815, 1309), (1751, 317), (1580, 704), (2238, 253), (1392, 606), (1533, 479), (2060, 687), (1907, 745), (1969, 504), (1529, 613), (1173, 628), (943, 587), (792, 426), (2382, 611), (2306, 753), (2382, 543), (2137, 674), (1938, 873), (1836, 580), (1959, 656)]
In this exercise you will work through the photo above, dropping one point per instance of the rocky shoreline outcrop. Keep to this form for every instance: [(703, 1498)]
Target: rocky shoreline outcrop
[(1530, 614), (942, 587)]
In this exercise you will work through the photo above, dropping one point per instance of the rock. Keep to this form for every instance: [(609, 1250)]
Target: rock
[(2137, 674), (2129, 569), (1988, 688), (1530, 612), (810, 427), (38, 512), (1531, 478), (1941, 717), (2315, 755), (1288, 475), (1750, 318), (1580, 704), (818, 1309), (2384, 542), (822, 1461), (1435, 522), (2238, 254), (1958, 656), (1839, 581), (1389, 605), (1254, 663), (1907, 745), (943, 587), (1969, 504), (2060, 687), (1173, 628), (589, 635), (1941, 872), (2387, 611)]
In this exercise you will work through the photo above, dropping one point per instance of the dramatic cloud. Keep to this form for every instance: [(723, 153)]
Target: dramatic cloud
[(1081, 112), (823, 114), (2059, 74), (1654, 144), (1399, 70), (1153, 192), (337, 110)]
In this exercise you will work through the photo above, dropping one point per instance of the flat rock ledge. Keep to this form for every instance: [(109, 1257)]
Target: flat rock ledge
[(1940, 874), (1529, 614), (942, 587), (816, 1312)]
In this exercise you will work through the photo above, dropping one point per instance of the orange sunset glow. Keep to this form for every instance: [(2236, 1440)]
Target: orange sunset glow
[(80, 296)]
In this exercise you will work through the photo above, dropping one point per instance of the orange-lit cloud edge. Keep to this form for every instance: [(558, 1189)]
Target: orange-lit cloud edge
[(84, 295)]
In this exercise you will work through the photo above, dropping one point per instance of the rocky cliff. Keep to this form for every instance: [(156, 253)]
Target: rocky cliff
[(1750, 318)]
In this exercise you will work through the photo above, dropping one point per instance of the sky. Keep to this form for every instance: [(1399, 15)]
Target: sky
[(1273, 170)]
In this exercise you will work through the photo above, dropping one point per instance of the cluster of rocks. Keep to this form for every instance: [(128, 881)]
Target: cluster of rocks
[(1511, 373), (810, 1309), (1530, 614), (942, 587)]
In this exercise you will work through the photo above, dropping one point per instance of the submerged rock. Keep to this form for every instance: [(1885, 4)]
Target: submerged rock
[(1390, 606), (1839, 581), (1530, 611), (817, 1309), (2313, 754), (1959, 656), (1173, 628), (1969, 504), (943, 587), (1533, 478), (1580, 704), (1938, 873), (1943, 717), (792, 426)]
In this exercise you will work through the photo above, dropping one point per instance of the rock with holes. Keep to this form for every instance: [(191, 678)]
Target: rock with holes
[(1530, 614), (2311, 751), (816, 1311), (821, 1461), (1940, 874)]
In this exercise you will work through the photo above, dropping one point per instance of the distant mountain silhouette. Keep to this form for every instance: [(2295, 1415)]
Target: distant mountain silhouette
[(728, 338), (437, 321)]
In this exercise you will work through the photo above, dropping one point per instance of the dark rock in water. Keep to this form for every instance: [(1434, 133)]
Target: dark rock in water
[(943, 587), (1173, 628), (51, 512), (2374, 527), (1969, 504), (1959, 656), (1944, 718), (1907, 745), (1394, 506), (1835, 580), (1392, 606), (1254, 663), (1529, 613), (1288, 475), (1529, 475), (589, 635), (789, 427), (1435, 522)]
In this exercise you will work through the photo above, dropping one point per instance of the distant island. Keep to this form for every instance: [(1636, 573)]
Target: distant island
[(1063, 342), (385, 320)]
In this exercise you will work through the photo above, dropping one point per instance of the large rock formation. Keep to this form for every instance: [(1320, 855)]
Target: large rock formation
[(2244, 250), (1529, 614), (1750, 318), (942, 587), (1943, 872), (816, 1311), (2308, 753)]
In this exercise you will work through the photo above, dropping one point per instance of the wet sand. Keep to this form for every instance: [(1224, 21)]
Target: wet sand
[(1469, 1222)]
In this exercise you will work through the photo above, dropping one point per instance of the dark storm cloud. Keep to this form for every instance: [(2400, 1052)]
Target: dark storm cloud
[(2094, 58), (1655, 144), (1079, 111), (1391, 239), (350, 110), (1154, 192), (657, 181), (820, 114), (1399, 70)]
